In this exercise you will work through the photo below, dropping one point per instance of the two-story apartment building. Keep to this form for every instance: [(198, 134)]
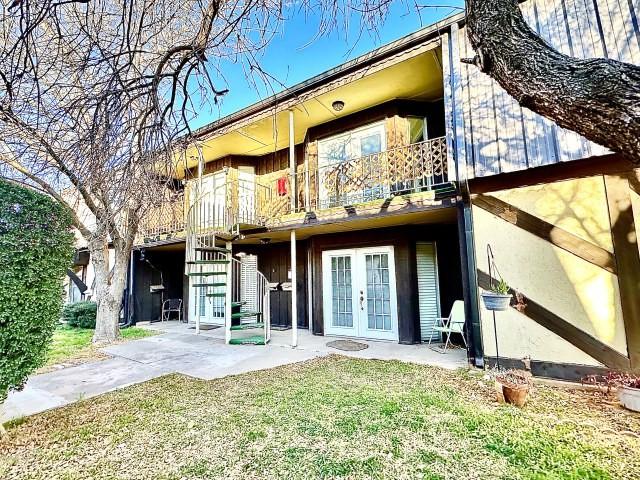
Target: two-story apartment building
[(360, 203)]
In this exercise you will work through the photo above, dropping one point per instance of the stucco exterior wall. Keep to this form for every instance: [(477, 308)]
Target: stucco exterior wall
[(579, 292)]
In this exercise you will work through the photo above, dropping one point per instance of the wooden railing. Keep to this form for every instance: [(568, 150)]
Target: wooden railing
[(164, 220), (397, 171), (411, 168)]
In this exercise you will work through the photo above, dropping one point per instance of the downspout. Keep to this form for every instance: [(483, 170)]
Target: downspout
[(457, 168), (475, 353)]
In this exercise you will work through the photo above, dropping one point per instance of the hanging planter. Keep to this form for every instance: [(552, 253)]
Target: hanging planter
[(498, 299)]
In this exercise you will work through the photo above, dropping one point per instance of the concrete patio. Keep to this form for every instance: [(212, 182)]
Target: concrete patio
[(180, 350), (377, 349)]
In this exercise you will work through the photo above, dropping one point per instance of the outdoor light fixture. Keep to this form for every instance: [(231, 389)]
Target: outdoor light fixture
[(338, 105)]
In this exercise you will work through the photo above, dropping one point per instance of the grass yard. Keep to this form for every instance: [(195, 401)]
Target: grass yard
[(73, 345), (327, 418)]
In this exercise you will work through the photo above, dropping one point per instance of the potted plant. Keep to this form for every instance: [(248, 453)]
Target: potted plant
[(513, 386), (498, 298), (629, 393), (627, 386)]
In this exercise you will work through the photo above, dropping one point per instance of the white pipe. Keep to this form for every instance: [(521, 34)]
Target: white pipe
[(292, 162), (196, 307), (228, 296), (294, 293)]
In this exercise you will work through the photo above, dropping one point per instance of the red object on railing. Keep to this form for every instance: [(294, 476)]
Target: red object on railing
[(282, 186)]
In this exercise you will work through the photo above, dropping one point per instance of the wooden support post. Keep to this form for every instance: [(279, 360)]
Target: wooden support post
[(228, 295), (294, 293), (292, 163), (625, 246), (307, 183)]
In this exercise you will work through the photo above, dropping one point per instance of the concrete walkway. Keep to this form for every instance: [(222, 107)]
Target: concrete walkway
[(141, 360), (204, 356)]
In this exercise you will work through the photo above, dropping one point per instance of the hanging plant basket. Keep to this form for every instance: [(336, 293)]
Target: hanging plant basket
[(496, 301)]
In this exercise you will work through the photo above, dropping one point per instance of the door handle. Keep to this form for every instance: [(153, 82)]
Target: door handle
[(361, 300)]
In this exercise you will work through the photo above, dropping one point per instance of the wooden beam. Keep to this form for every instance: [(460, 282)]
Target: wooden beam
[(547, 231), (634, 180), (589, 167), (569, 332), (625, 245)]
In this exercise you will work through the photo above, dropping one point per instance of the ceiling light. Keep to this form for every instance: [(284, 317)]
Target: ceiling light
[(338, 105)]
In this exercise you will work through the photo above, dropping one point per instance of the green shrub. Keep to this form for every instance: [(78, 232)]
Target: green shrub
[(36, 247), (80, 314)]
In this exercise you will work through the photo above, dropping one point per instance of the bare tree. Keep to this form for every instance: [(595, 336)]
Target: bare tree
[(96, 99), (599, 98), (94, 96)]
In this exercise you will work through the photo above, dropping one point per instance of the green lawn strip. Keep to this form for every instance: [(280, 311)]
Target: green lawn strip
[(327, 418), (73, 345)]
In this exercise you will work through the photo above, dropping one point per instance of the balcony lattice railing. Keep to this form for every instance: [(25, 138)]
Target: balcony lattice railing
[(163, 220), (411, 168), (397, 171)]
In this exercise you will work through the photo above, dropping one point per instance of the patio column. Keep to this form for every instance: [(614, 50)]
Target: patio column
[(228, 296), (292, 163), (294, 293)]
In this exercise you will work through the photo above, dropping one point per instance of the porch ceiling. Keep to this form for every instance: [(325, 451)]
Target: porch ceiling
[(417, 77), (434, 216)]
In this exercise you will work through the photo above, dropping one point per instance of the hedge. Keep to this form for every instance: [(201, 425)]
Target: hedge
[(80, 314), (36, 248)]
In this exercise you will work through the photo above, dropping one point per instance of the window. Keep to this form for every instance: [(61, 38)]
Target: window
[(417, 129), (349, 168), (357, 143)]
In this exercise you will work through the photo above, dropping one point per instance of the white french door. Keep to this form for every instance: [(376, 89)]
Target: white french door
[(359, 293), (210, 310), (247, 194)]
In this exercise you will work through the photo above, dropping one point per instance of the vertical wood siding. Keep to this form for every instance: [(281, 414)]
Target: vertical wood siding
[(491, 132)]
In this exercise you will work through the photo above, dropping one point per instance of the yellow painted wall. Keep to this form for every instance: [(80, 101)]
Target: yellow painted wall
[(574, 289)]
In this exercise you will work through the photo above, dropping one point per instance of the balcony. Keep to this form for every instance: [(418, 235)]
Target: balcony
[(164, 221), (240, 205), (415, 168)]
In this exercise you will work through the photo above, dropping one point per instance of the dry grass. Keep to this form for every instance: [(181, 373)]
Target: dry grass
[(326, 418), (72, 346)]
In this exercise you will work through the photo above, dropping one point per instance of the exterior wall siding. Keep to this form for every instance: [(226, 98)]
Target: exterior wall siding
[(544, 237), (492, 133)]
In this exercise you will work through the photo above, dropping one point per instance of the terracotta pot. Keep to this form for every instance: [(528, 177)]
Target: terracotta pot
[(514, 394), (499, 392), (496, 301), (630, 398)]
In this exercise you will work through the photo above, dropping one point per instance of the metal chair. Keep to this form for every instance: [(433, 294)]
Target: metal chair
[(454, 323), (169, 306)]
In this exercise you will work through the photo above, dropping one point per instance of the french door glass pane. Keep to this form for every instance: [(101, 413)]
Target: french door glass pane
[(378, 292), (342, 311)]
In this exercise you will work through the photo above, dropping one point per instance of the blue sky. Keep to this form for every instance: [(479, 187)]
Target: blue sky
[(294, 55)]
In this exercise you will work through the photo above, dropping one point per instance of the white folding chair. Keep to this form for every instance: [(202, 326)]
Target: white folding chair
[(454, 323), (171, 305)]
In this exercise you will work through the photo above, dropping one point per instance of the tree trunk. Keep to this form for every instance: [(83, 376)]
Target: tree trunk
[(109, 288), (598, 98)]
